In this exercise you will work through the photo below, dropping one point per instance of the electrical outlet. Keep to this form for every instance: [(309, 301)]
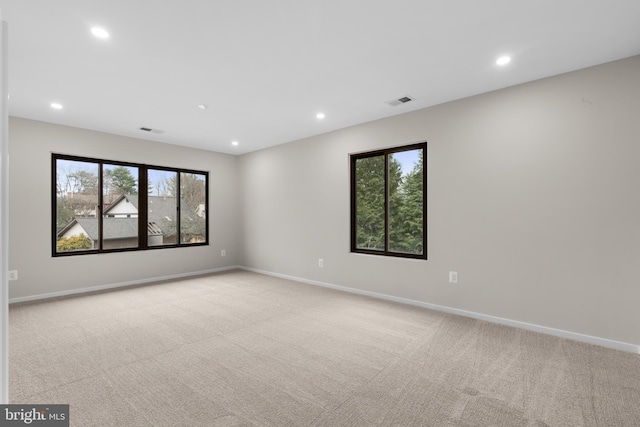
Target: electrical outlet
[(453, 277), (223, 252), (13, 274), (320, 263)]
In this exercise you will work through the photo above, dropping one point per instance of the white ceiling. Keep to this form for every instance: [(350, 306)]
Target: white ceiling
[(266, 68)]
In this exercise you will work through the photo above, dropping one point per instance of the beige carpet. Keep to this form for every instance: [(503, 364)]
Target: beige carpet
[(243, 349)]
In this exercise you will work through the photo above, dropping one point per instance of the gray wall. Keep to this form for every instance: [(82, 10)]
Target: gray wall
[(31, 144), (532, 197)]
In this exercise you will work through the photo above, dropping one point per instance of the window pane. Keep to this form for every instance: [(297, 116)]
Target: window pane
[(193, 202), (162, 207), (369, 188), (120, 207), (406, 202), (77, 201), (97, 207)]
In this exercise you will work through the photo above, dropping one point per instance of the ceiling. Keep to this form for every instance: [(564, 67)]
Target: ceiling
[(264, 69)]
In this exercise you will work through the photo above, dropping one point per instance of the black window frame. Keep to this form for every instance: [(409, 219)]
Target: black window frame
[(386, 152), (142, 206)]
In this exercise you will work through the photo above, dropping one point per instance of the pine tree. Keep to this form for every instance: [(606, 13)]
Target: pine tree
[(404, 206), (119, 180), (410, 224), (370, 190)]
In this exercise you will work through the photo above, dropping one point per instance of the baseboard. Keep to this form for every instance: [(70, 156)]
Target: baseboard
[(603, 342), (119, 285)]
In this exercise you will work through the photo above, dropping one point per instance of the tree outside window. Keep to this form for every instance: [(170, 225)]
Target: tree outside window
[(98, 206), (388, 202)]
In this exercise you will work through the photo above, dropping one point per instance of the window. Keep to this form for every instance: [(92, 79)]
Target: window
[(162, 209), (98, 206), (388, 202)]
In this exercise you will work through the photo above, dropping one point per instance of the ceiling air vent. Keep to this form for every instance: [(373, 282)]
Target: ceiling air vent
[(400, 101), (158, 131)]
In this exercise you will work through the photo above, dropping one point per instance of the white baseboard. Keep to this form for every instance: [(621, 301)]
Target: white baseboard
[(603, 342), (119, 285)]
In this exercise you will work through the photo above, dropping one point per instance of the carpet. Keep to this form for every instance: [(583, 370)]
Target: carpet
[(243, 349)]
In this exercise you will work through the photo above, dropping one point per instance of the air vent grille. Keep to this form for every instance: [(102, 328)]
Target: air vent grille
[(400, 101), (157, 131)]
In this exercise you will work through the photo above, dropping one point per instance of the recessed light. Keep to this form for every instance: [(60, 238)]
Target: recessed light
[(56, 106), (234, 143), (320, 115), (203, 106), (100, 33), (503, 60)]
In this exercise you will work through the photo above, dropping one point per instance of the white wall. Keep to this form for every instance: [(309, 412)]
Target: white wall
[(31, 144), (532, 197)]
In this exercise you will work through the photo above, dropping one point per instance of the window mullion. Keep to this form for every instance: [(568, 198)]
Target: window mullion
[(386, 203), (100, 207), (143, 209), (178, 208)]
